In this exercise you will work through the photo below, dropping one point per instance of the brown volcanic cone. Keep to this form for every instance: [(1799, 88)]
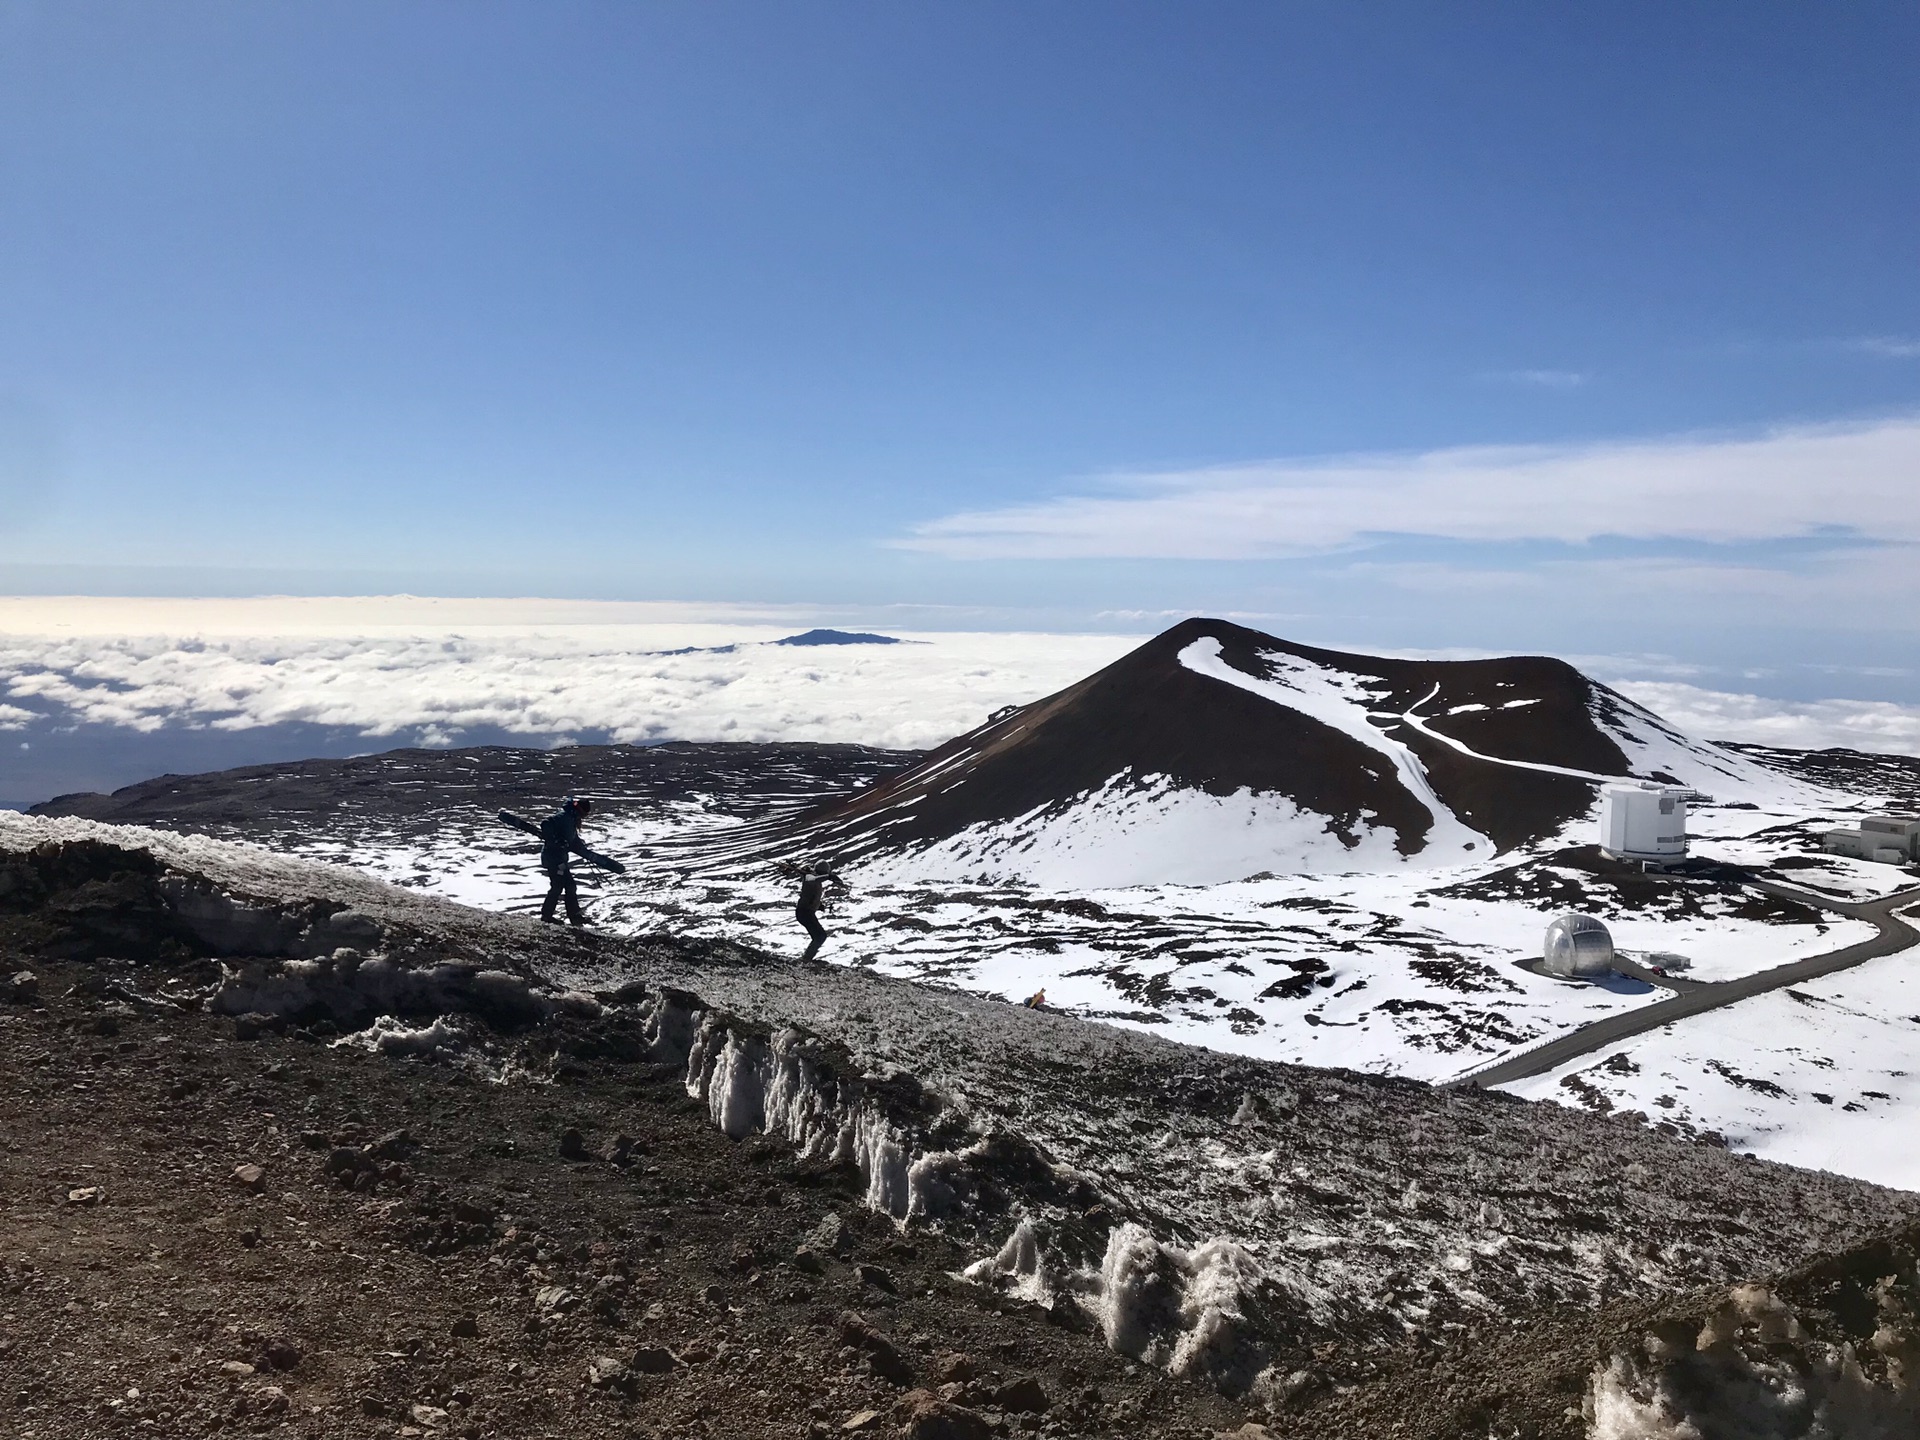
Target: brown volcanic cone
[(1149, 715)]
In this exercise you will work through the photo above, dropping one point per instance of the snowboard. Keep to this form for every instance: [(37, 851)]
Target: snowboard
[(520, 822)]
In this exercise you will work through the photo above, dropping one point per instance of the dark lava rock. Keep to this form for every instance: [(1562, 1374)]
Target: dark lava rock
[(883, 1356), (928, 1417), (652, 1360), (253, 1025), (1025, 1396), (878, 1277)]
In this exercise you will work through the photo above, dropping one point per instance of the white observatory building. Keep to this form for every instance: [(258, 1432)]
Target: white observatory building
[(1890, 839), (1578, 947), (1645, 822)]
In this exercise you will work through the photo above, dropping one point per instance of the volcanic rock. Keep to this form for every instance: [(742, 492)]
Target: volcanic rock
[(928, 1417), (1025, 1396), (652, 1360)]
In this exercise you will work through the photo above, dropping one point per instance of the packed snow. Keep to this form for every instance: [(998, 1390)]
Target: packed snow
[(1145, 832)]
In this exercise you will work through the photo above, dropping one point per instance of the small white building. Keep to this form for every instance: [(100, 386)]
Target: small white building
[(1890, 839), (1645, 822), (1579, 947)]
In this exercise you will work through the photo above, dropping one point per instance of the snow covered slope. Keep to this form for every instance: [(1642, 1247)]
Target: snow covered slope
[(1825, 1075), (1214, 752)]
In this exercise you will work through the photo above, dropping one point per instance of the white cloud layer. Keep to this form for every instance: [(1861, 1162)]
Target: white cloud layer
[(1790, 724), (1785, 484), (547, 681), (402, 667)]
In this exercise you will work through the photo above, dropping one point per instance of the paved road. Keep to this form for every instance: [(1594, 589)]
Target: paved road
[(1895, 935)]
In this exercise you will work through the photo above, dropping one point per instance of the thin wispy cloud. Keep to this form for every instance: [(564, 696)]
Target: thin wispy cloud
[(1855, 480), (1539, 379), (1889, 347), (1826, 583)]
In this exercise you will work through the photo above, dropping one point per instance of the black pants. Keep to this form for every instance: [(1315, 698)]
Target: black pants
[(560, 886), (814, 928)]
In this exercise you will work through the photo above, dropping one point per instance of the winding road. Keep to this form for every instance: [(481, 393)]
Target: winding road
[(1894, 936)]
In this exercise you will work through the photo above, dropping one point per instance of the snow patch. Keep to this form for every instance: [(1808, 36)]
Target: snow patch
[(1338, 700), (1144, 831), (1753, 1374), (389, 1036), (1190, 1312)]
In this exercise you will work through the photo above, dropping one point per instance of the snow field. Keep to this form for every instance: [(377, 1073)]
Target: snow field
[(1824, 1075), (1368, 971)]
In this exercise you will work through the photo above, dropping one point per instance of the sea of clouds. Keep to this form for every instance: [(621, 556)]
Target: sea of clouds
[(417, 671)]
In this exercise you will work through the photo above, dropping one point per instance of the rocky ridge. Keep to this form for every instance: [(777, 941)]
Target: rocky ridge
[(1221, 1219)]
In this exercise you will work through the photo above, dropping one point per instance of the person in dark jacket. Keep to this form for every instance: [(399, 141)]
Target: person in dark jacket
[(813, 884), (559, 842)]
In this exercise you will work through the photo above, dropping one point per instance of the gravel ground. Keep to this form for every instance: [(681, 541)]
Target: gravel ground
[(494, 1274), (255, 1224)]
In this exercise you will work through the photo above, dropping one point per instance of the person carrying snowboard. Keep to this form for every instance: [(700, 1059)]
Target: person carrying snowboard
[(813, 884), (559, 842)]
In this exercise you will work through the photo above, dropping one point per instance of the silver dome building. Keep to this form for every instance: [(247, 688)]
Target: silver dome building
[(1579, 946)]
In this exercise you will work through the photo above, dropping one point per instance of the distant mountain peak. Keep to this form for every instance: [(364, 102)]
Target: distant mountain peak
[(838, 637)]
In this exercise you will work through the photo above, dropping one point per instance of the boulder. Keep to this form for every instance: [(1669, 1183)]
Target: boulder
[(808, 1261), (831, 1236), (951, 1367), (255, 1023), (928, 1417), (883, 1356), (652, 1360), (878, 1277), (1025, 1396), (555, 1300), (604, 1372)]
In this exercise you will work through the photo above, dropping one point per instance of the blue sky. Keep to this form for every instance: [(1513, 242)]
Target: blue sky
[(824, 302)]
